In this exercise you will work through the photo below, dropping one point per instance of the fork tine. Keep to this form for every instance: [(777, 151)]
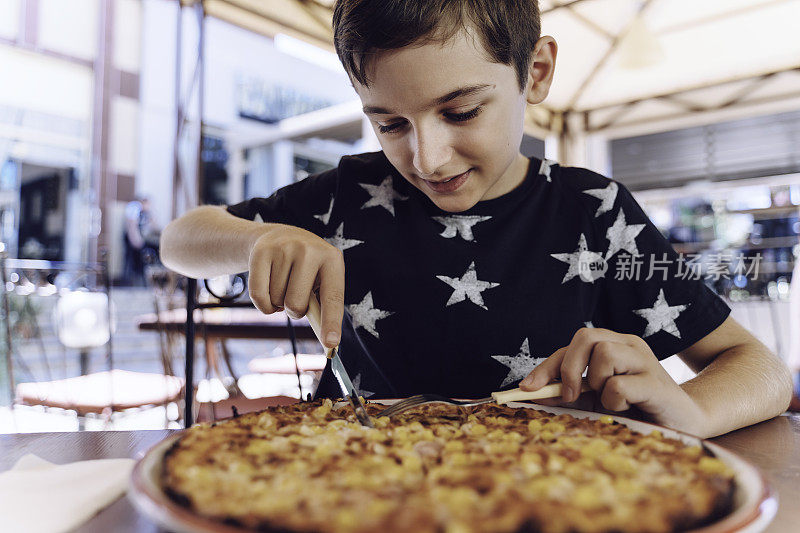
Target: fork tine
[(399, 406), (402, 405)]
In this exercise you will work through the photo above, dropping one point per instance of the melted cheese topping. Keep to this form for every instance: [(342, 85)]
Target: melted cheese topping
[(311, 467)]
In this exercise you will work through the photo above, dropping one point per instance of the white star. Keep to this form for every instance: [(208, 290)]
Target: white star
[(340, 242), (589, 324), (459, 224), (359, 390), (325, 217), (661, 316), (467, 286), (365, 314), (258, 218), (622, 236), (588, 265), (544, 168), (383, 195), (519, 365), (607, 196)]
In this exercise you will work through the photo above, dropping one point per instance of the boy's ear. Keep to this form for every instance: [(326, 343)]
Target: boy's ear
[(540, 72)]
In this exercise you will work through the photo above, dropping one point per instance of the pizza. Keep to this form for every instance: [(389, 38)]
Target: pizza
[(311, 467)]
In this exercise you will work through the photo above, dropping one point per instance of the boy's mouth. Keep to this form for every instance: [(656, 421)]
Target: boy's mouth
[(449, 185)]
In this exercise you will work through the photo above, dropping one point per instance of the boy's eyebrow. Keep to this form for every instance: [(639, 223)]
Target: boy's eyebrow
[(462, 91)]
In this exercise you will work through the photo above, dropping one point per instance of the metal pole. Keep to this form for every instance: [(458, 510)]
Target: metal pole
[(776, 328), (100, 102), (201, 79), (176, 163), (7, 313), (110, 315), (191, 293)]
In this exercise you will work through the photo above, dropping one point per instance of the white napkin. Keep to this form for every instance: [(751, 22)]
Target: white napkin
[(41, 497)]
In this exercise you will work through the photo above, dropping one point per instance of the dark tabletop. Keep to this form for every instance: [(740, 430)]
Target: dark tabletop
[(228, 323), (773, 446)]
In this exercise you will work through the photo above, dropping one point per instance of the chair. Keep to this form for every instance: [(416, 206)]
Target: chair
[(225, 292), (83, 319), (310, 367)]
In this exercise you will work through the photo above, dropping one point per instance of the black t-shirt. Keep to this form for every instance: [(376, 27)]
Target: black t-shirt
[(463, 304)]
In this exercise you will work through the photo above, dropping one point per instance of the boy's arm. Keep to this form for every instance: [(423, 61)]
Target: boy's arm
[(740, 381), (208, 241), (285, 263)]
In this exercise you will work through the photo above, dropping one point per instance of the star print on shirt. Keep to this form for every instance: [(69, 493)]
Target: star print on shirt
[(383, 195), (325, 217), (544, 168), (661, 316), (468, 286), (607, 196), (340, 242), (623, 236), (519, 365), (460, 225), (588, 265), (357, 385), (364, 314), (258, 218)]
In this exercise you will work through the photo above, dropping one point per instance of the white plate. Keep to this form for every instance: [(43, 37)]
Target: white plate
[(754, 502)]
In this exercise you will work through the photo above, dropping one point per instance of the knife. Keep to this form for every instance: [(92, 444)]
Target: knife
[(348, 390)]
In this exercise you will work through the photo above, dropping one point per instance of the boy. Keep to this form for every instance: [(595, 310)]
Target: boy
[(468, 266)]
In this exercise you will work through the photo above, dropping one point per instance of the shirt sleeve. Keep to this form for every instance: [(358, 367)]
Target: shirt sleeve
[(307, 204), (650, 290)]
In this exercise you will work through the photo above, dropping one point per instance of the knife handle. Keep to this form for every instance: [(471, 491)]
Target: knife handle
[(314, 316), (548, 391)]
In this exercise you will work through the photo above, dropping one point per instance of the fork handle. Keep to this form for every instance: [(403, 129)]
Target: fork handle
[(548, 391)]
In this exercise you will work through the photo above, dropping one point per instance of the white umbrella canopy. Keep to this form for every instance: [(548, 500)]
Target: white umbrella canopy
[(309, 20), (620, 62), (626, 61)]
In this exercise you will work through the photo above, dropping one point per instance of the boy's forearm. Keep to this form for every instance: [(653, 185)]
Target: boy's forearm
[(208, 241), (744, 385)]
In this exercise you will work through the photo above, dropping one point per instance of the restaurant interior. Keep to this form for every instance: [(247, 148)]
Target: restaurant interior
[(118, 116)]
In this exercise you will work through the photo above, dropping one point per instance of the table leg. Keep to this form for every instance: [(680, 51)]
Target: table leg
[(213, 356), (84, 362)]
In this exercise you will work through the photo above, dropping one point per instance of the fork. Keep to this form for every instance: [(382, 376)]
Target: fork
[(501, 397)]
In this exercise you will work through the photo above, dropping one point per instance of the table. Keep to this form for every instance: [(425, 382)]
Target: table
[(228, 323), (120, 516), (216, 324), (773, 446)]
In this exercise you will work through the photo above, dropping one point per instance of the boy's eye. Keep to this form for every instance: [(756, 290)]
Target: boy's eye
[(389, 128), (461, 117), (456, 117)]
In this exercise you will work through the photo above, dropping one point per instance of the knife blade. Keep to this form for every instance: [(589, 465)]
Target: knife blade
[(314, 315), (348, 389)]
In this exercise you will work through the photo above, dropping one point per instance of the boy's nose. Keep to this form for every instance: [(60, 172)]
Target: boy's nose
[(431, 152)]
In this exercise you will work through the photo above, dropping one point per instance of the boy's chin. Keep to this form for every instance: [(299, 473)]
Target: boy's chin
[(452, 204)]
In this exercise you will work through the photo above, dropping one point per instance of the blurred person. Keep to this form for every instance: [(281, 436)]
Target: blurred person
[(141, 240)]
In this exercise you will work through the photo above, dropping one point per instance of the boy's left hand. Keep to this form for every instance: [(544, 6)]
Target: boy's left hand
[(624, 372)]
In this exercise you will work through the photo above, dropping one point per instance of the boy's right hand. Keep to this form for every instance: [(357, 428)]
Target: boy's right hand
[(286, 265)]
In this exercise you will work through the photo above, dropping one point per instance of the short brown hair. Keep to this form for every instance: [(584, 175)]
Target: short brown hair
[(508, 29)]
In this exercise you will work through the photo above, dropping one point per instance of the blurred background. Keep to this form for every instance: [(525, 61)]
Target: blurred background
[(117, 116)]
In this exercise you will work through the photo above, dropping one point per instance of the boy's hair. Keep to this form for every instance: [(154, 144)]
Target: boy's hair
[(508, 29)]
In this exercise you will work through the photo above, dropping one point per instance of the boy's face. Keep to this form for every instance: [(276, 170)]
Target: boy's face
[(450, 120)]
